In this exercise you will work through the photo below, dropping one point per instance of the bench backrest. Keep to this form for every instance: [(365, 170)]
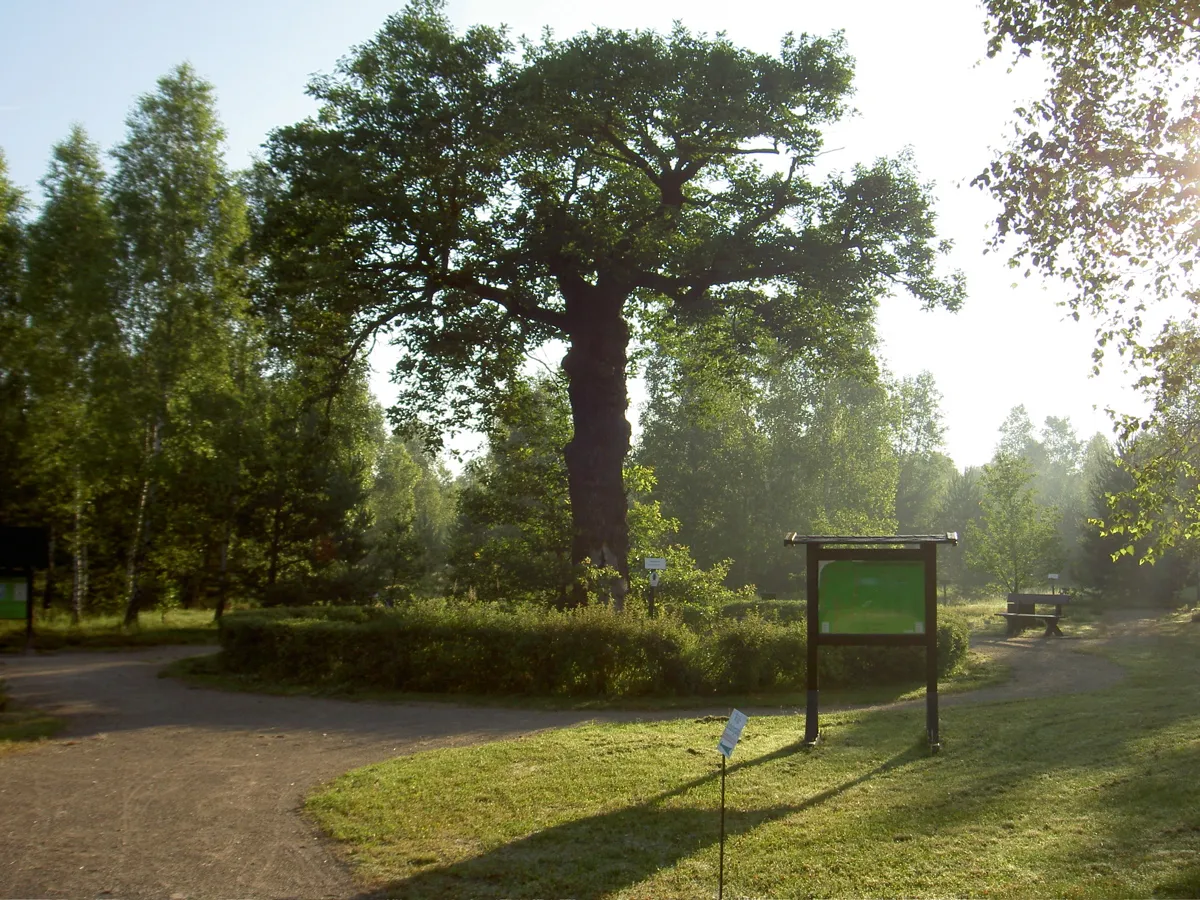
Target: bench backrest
[(1024, 603), (1056, 599)]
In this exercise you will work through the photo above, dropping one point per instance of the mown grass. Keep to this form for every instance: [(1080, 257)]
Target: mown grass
[(53, 630), (1087, 795)]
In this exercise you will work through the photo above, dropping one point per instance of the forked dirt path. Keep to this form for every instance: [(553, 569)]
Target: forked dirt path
[(158, 790)]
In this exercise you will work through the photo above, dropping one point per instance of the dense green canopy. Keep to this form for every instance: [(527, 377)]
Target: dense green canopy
[(477, 203)]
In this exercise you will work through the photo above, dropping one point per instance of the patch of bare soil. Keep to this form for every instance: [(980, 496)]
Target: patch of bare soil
[(159, 790)]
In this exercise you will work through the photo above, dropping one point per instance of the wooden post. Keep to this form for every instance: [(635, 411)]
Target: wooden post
[(28, 609), (811, 726), (929, 551)]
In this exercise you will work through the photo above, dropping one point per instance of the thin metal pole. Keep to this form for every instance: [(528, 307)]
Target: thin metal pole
[(721, 875)]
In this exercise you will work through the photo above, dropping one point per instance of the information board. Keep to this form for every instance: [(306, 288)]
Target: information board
[(872, 596), (12, 598)]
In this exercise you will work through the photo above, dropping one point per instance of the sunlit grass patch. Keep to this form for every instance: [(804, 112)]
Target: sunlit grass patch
[(20, 726), (54, 630), (1080, 795)]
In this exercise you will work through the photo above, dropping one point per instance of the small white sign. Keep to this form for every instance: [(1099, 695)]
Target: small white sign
[(654, 578), (733, 731), (655, 562)]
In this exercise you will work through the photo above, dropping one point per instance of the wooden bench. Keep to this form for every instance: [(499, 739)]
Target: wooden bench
[(1022, 612)]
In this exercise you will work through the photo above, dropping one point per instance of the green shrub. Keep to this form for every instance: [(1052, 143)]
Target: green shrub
[(754, 654), (442, 647), (892, 665), (774, 610)]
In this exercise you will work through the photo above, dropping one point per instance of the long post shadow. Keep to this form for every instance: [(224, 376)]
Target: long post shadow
[(603, 853)]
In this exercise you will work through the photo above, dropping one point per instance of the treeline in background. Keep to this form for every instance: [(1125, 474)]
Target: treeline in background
[(158, 419)]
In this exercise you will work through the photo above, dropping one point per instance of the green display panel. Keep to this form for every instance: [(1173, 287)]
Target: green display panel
[(12, 598), (872, 597)]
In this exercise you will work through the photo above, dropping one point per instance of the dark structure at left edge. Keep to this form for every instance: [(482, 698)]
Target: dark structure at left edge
[(21, 551)]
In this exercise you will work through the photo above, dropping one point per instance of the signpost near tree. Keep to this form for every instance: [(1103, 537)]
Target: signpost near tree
[(654, 565)]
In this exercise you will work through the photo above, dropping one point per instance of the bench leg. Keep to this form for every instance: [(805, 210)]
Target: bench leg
[(1052, 628)]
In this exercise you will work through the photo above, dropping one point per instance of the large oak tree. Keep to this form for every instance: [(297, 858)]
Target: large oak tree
[(476, 202)]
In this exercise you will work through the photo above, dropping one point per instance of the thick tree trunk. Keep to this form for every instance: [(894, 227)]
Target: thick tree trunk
[(595, 366)]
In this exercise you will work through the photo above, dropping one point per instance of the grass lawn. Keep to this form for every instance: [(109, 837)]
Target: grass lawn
[(1090, 795), (53, 630)]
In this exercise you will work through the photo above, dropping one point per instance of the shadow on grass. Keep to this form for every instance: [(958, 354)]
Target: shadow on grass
[(603, 853)]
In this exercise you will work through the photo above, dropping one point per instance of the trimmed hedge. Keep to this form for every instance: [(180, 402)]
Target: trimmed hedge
[(440, 647)]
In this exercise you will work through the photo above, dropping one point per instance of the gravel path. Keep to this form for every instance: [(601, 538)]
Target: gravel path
[(159, 790)]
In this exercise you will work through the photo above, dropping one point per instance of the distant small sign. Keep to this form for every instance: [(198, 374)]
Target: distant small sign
[(733, 731), (655, 562), (654, 578), (12, 598)]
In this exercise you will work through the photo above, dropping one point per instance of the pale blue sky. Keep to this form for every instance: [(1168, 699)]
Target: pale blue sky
[(922, 82)]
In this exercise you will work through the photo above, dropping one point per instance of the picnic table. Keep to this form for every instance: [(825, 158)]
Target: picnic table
[(1022, 612)]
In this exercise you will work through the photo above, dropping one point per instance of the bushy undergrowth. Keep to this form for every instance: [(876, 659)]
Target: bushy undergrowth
[(442, 647)]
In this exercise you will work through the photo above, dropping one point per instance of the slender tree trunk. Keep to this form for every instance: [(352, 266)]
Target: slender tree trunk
[(48, 590), (223, 582), (273, 552), (80, 555), (83, 581), (141, 530), (595, 367)]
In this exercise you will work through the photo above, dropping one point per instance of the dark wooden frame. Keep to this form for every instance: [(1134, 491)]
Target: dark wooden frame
[(21, 551), (913, 548)]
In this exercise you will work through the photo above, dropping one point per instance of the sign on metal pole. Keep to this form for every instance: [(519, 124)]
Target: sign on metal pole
[(654, 564), (731, 734), (729, 738)]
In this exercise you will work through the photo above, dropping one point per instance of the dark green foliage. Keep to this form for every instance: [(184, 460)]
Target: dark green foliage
[(512, 539), (772, 610), (484, 649), (477, 204), (896, 665)]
